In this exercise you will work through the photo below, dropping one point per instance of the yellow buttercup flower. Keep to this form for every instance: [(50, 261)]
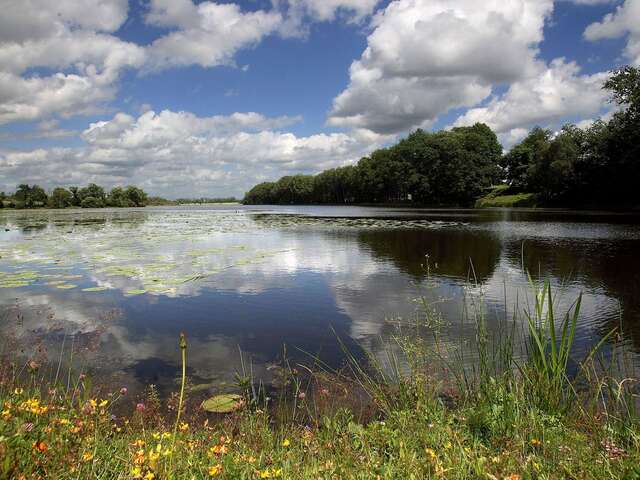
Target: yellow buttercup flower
[(271, 473), (184, 426), (286, 442), (103, 403), (87, 457), (215, 470)]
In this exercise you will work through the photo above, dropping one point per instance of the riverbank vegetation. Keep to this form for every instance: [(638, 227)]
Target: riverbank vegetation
[(91, 196), (520, 409), (504, 196), (593, 166)]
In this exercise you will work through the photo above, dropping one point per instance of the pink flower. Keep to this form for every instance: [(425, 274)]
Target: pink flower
[(140, 407), (302, 395), (123, 391)]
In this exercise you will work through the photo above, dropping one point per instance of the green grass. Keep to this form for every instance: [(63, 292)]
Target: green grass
[(499, 197), (418, 414)]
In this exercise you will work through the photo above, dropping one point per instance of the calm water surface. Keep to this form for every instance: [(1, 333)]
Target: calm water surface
[(119, 285)]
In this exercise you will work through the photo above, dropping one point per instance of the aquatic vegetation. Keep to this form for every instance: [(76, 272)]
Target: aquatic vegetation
[(167, 254), (225, 403), (95, 289)]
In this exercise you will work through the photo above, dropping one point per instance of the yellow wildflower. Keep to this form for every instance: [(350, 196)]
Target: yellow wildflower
[(149, 476), (218, 449), (271, 473), (93, 402), (535, 442), (87, 457), (184, 426), (103, 403), (6, 413), (136, 472), (215, 470), (286, 442), (431, 453)]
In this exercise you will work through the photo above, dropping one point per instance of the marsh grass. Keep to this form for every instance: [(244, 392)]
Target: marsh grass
[(511, 406)]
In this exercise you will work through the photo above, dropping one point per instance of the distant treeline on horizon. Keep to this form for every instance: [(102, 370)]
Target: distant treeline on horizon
[(598, 165), (92, 196)]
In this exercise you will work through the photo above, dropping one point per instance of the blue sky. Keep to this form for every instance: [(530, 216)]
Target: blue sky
[(208, 98)]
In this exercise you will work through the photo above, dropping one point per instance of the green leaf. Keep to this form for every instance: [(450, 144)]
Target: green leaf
[(225, 403)]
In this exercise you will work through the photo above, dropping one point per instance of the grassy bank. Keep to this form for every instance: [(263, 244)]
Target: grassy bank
[(501, 197), (419, 413)]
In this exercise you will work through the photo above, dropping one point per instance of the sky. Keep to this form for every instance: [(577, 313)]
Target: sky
[(190, 98)]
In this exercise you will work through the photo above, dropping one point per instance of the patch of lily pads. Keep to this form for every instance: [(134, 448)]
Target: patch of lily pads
[(168, 253)]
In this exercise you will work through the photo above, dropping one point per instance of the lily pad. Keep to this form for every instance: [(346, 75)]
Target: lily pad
[(133, 292), (95, 289), (226, 403)]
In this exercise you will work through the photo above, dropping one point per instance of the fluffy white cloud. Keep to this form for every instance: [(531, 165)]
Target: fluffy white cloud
[(72, 38), (624, 21), (557, 91), (296, 12), (425, 57), (207, 34), (59, 94), (177, 153)]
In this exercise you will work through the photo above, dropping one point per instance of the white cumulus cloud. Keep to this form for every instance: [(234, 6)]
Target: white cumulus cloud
[(625, 21), (425, 57), (178, 153), (557, 91)]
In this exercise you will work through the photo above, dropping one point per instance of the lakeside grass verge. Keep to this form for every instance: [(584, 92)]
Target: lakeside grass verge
[(505, 416), (501, 197)]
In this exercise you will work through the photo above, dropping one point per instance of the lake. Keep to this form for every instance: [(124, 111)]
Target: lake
[(117, 286)]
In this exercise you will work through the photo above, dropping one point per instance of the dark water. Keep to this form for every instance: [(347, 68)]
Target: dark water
[(117, 286)]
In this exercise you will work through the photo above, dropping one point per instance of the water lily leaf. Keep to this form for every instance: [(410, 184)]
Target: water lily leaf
[(66, 286), (226, 403), (135, 292), (95, 289)]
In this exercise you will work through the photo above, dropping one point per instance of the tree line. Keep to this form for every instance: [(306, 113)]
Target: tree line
[(91, 196), (598, 165)]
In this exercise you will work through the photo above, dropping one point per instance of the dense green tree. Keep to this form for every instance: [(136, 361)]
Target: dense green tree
[(444, 168), (136, 196), (60, 198), (30, 196), (520, 164), (95, 192), (91, 202), (118, 198), (75, 196)]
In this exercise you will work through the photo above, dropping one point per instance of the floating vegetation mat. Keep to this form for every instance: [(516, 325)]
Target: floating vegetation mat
[(154, 252)]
